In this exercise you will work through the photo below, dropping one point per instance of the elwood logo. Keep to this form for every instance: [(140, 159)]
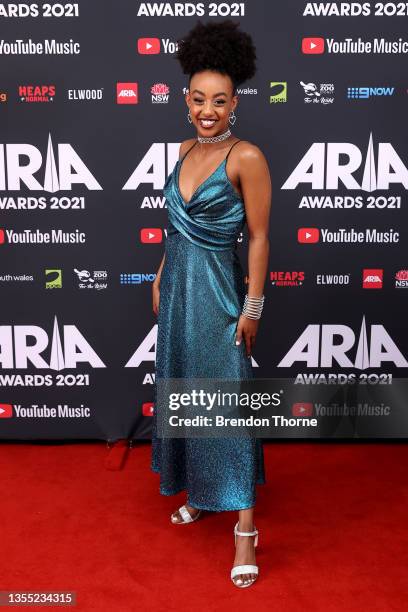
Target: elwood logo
[(59, 175), (19, 351), (319, 346), (322, 167)]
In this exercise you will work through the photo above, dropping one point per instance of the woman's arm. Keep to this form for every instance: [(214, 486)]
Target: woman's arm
[(256, 187), (159, 271), (156, 288), (156, 282)]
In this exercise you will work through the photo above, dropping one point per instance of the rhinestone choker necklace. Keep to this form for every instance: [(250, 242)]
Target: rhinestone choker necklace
[(214, 138)]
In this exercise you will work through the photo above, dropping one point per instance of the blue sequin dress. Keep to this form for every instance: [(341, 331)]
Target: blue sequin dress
[(202, 292)]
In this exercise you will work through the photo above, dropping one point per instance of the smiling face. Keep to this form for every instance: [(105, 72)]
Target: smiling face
[(210, 100)]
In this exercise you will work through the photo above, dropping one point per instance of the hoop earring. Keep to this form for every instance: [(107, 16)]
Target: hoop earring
[(232, 118), (190, 120)]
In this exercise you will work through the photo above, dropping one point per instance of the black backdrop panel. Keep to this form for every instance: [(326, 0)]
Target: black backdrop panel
[(88, 162)]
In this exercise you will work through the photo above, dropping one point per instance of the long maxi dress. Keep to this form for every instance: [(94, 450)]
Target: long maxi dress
[(202, 292)]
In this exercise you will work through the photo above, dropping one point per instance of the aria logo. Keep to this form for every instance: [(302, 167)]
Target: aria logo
[(152, 167), (70, 169), (146, 351), (127, 93), (372, 278), (316, 347), (17, 349), (322, 169)]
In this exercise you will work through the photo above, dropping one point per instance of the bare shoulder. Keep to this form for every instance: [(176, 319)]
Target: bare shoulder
[(185, 145), (249, 152)]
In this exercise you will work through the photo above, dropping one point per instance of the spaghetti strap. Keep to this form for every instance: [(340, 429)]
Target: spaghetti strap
[(181, 160), (236, 142)]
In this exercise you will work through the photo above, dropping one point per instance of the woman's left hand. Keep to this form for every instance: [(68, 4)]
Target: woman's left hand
[(247, 329)]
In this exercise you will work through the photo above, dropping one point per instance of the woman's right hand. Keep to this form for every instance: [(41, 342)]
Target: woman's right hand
[(156, 296)]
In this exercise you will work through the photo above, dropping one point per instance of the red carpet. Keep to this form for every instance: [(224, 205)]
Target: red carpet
[(332, 522)]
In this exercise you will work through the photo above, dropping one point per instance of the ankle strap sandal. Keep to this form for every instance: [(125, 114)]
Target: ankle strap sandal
[(244, 569)]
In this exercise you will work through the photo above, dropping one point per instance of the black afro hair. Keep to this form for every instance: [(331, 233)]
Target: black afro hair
[(218, 46)]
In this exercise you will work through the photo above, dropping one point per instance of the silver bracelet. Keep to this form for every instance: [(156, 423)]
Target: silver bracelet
[(253, 307)]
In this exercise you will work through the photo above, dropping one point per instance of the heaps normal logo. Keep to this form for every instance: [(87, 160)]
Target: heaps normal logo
[(18, 351), (58, 175), (316, 347), (323, 168)]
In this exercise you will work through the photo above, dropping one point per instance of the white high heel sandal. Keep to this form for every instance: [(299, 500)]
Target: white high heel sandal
[(245, 569), (185, 515)]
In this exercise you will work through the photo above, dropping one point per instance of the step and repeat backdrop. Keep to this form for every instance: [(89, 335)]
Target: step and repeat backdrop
[(92, 113)]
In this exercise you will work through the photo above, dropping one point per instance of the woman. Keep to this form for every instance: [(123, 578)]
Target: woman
[(206, 324)]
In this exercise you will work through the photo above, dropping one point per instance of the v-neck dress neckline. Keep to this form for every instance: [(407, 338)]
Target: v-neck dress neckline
[(179, 163), (196, 191)]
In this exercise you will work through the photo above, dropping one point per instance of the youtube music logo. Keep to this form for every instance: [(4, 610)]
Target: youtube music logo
[(308, 235), (148, 46), (148, 409), (302, 409), (151, 235), (6, 411), (313, 46)]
